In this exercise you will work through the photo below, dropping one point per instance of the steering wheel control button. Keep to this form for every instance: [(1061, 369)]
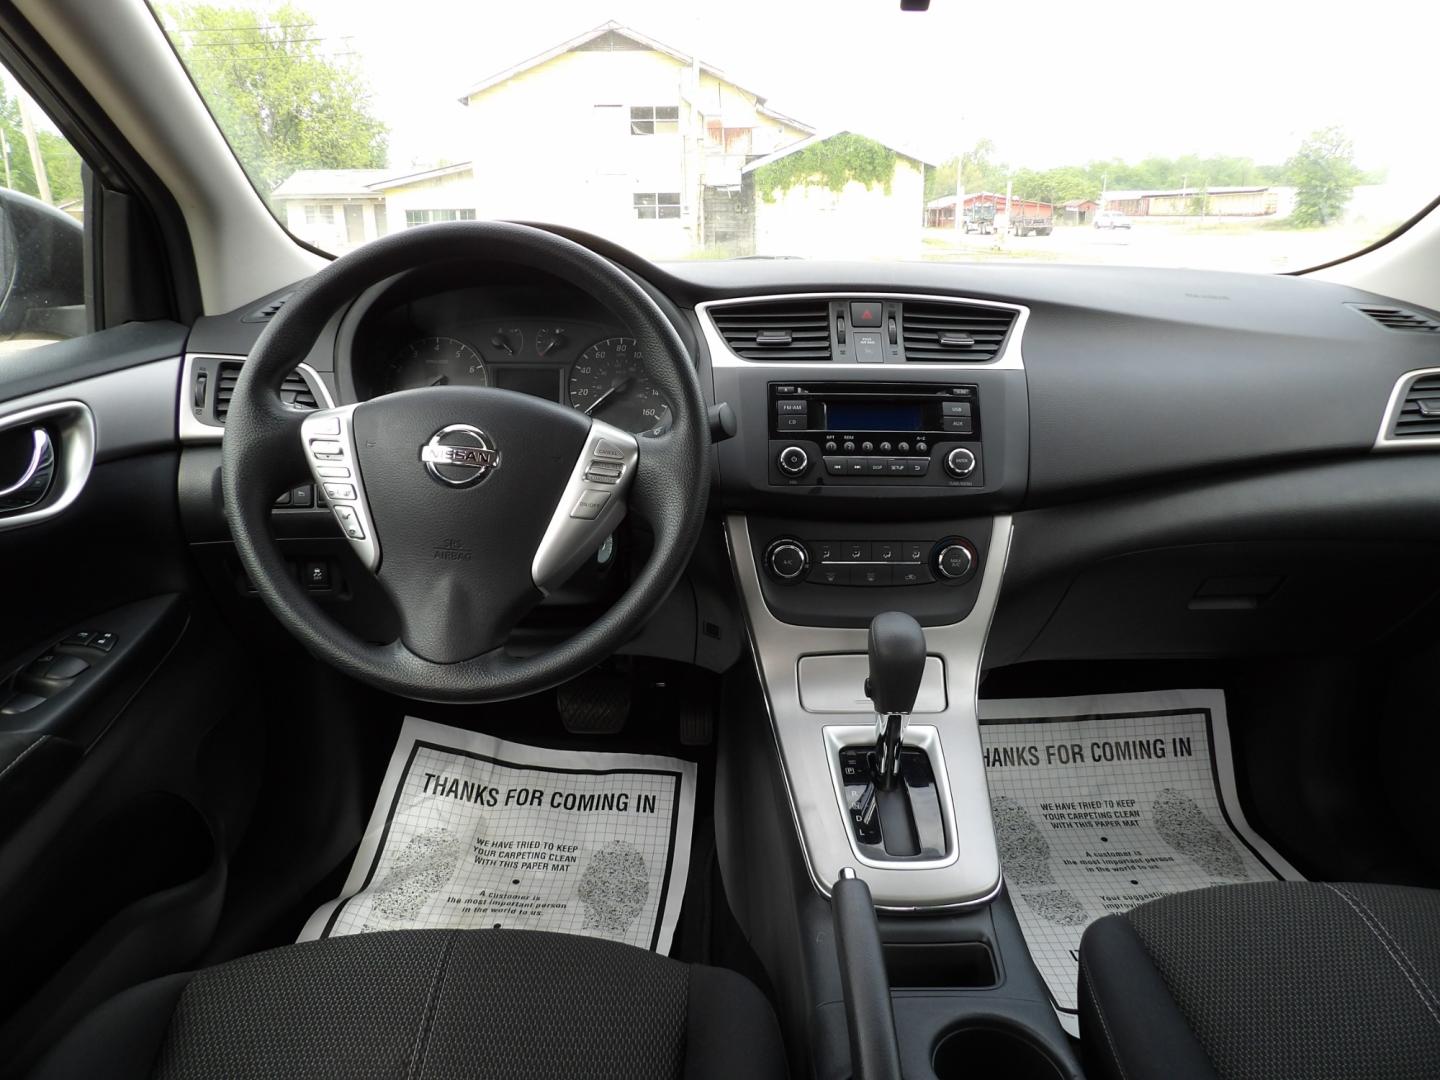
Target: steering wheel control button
[(589, 505), (604, 472), (349, 522), (460, 455), (325, 425), (960, 462), (787, 560), (605, 449), (793, 461), (325, 448), (340, 492), (954, 561), (333, 472)]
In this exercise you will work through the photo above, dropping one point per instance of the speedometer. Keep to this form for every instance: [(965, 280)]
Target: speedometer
[(435, 361), (609, 383)]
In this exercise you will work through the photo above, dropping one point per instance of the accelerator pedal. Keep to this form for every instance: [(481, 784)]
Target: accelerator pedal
[(594, 704)]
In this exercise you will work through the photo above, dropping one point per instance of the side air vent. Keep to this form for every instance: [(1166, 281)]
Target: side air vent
[(293, 391), (1419, 413), (954, 333), (777, 330), (1393, 318), (268, 312)]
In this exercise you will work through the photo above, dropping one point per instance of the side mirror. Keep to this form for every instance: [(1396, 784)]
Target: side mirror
[(42, 270)]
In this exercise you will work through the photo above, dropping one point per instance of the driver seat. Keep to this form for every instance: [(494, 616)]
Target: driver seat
[(432, 1004)]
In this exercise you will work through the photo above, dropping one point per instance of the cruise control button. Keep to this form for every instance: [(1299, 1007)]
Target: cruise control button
[(325, 447), (349, 522), (589, 505), (606, 468), (606, 449), (339, 491)]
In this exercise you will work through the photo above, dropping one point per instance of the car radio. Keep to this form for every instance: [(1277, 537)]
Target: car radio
[(875, 433)]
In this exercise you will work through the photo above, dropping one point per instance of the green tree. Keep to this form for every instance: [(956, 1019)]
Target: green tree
[(62, 163), (1324, 174), (830, 163), (283, 103)]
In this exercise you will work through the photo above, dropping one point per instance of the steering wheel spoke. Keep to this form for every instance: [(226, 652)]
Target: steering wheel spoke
[(329, 440), (591, 506)]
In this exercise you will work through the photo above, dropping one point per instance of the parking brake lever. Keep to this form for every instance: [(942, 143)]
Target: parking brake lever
[(874, 1048)]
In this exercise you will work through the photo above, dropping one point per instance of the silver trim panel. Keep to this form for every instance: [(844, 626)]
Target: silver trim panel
[(337, 426), (721, 355), (74, 457), (570, 540), (836, 684), (1384, 440), (194, 430), (973, 877), (41, 455)]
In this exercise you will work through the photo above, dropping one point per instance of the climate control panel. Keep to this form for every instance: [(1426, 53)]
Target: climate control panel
[(950, 560)]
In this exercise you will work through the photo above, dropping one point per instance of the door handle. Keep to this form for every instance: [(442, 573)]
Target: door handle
[(34, 483)]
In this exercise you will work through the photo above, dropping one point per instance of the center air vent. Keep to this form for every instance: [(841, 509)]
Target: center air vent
[(1419, 412), (954, 333), (779, 330), (293, 391), (1393, 318)]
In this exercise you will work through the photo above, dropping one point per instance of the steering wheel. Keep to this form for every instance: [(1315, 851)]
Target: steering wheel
[(467, 503)]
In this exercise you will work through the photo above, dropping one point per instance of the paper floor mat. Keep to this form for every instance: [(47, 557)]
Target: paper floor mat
[(1101, 803), (470, 832)]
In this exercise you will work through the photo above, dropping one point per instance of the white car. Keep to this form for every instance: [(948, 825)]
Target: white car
[(1111, 219)]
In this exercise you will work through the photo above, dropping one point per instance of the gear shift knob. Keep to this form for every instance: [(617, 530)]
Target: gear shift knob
[(897, 664)]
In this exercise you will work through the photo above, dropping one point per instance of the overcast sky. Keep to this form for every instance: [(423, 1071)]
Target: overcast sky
[(1050, 83)]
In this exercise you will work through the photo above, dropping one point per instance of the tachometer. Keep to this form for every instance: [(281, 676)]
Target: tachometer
[(436, 361), (609, 382)]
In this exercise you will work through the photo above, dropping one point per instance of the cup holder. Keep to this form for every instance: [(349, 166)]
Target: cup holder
[(988, 1050)]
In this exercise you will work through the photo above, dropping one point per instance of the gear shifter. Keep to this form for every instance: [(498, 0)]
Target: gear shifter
[(897, 664)]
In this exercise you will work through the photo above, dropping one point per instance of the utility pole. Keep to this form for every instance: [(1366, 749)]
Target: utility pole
[(42, 182), (1009, 193), (5, 147)]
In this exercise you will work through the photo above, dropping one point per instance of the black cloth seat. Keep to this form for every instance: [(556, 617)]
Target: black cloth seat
[(1274, 981), (433, 1004)]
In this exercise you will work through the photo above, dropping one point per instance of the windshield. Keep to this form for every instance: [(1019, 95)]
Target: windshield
[(1263, 136)]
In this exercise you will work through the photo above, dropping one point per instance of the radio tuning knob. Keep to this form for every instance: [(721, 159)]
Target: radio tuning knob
[(787, 560), (960, 463), (793, 461)]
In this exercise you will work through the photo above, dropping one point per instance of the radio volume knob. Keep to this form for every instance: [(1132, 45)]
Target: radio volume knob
[(787, 560), (793, 461), (960, 463)]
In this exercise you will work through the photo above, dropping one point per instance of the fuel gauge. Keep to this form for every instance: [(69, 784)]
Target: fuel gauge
[(547, 340)]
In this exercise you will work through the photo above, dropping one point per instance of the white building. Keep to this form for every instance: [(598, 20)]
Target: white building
[(617, 133), (883, 219), (334, 209)]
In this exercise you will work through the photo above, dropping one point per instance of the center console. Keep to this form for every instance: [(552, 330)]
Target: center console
[(881, 442)]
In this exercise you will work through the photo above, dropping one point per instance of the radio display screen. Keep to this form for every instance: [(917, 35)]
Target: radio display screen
[(873, 416)]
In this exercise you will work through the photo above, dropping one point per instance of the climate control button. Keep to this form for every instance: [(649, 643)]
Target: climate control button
[(954, 561), (787, 560)]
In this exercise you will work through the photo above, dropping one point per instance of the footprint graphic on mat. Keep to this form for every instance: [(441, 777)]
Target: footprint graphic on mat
[(419, 871), (1183, 825), (614, 888), (1025, 854)]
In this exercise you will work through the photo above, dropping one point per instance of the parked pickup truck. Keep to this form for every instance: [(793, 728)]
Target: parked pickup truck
[(1029, 218)]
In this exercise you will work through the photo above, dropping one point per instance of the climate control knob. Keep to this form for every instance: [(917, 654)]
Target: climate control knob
[(787, 560), (960, 463), (793, 461), (954, 561)]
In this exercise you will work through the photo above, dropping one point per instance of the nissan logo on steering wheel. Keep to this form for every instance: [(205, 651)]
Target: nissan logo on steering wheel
[(460, 455)]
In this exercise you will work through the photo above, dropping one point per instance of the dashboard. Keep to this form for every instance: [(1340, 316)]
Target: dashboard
[(552, 343)]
